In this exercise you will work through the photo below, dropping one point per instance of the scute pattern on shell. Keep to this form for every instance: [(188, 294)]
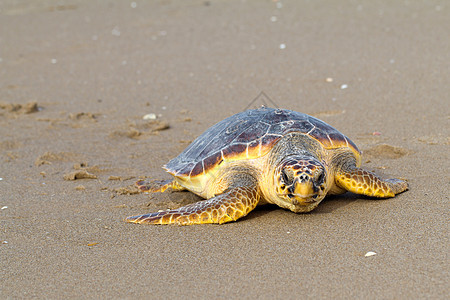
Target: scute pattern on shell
[(251, 134)]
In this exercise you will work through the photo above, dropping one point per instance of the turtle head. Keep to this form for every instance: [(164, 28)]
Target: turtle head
[(300, 183)]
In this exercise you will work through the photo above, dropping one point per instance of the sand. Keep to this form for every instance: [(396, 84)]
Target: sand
[(77, 78)]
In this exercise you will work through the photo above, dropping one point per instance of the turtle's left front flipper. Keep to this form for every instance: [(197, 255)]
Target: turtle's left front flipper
[(360, 181), (237, 202)]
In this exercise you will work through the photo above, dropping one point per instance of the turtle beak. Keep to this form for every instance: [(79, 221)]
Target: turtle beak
[(303, 187)]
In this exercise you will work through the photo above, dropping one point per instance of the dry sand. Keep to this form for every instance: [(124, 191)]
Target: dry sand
[(78, 76)]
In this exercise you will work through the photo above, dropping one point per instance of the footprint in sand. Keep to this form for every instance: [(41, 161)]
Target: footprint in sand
[(386, 151), (141, 129), (48, 157), (15, 109)]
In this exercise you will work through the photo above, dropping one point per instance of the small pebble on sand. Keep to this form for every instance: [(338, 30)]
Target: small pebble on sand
[(4, 207), (282, 46), (115, 31), (149, 117), (329, 79), (344, 86), (273, 18), (80, 187), (370, 253)]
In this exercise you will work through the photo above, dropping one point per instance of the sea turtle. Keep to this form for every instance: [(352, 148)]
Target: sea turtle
[(263, 156)]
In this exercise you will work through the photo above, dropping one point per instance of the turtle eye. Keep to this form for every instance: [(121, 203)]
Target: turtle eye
[(285, 177), (321, 177)]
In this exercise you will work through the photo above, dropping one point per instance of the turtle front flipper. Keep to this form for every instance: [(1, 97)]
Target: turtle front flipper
[(360, 181), (158, 186), (236, 203)]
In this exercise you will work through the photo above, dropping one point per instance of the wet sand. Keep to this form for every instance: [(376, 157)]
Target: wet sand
[(77, 77)]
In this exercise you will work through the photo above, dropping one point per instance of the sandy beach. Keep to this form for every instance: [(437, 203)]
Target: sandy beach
[(77, 78)]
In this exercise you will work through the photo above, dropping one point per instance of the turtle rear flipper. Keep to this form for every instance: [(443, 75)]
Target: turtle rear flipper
[(360, 181), (158, 186), (237, 202)]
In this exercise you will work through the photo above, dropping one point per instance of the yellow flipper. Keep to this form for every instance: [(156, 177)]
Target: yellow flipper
[(230, 206), (360, 181)]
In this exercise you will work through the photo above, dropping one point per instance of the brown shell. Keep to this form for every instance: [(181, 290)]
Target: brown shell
[(251, 134)]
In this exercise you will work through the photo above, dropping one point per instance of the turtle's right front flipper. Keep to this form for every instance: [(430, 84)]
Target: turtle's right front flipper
[(237, 202)]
